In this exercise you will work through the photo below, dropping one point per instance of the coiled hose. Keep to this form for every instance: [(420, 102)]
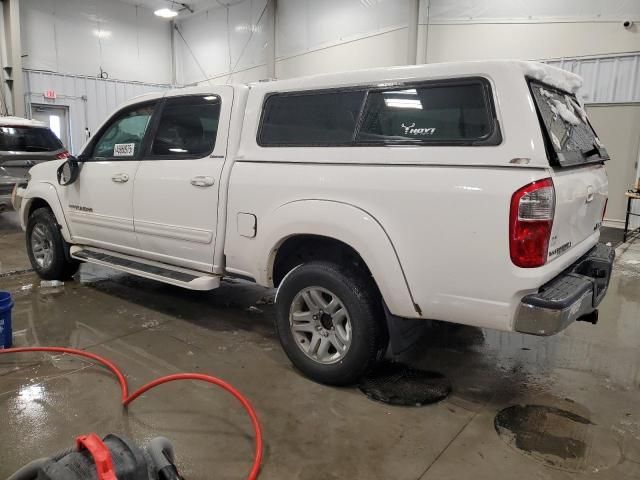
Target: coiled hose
[(26, 471)]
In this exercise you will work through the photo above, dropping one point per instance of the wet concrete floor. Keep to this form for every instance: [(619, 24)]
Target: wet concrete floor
[(565, 407)]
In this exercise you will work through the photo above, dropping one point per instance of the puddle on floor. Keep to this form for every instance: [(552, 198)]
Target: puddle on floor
[(558, 438)]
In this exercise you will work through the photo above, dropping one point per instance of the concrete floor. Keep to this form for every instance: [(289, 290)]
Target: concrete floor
[(312, 431)]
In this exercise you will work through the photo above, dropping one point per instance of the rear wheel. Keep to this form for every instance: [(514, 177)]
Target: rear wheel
[(330, 322), (48, 252)]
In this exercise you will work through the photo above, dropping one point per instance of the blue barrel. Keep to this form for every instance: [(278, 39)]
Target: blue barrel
[(6, 335)]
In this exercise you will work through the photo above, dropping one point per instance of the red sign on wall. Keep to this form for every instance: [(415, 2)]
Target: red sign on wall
[(50, 94)]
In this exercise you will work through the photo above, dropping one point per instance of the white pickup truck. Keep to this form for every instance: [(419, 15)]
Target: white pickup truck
[(466, 192)]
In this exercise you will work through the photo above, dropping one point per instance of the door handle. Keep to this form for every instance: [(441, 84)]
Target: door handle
[(202, 181), (120, 178), (590, 194)]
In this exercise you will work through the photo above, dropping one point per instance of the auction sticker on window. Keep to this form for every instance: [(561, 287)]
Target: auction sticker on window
[(123, 149)]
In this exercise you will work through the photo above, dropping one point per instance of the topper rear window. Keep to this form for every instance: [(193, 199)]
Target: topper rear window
[(569, 136)]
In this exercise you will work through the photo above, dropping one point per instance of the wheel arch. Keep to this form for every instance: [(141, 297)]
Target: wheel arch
[(44, 195), (337, 228)]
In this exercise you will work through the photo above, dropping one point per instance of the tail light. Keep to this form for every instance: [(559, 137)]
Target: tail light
[(62, 155), (530, 222)]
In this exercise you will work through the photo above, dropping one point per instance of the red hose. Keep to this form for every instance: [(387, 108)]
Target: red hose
[(127, 399)]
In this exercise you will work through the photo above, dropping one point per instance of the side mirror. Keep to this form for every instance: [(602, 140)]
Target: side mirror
[(68, 172)]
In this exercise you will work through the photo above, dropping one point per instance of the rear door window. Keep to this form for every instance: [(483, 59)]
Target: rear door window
[(187, 128), (310, 119), (450, 113), (570, 138), (28, 139)]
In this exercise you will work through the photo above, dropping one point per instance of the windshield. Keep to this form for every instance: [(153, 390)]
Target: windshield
[(569, 133), (28, 139)]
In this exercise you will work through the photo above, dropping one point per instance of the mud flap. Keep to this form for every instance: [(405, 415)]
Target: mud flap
[(404, 333)]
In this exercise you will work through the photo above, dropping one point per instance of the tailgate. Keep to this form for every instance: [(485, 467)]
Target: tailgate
[(581, 195), (577, 157)]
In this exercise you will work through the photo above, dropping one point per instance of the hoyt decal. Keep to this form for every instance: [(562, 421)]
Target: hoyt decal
[(411, 130)]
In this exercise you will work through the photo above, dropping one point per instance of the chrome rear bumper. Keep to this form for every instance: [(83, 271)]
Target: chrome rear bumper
[(572, 295)]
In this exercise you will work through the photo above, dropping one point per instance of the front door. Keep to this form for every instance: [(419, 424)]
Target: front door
[(177, 184), (98, 206)]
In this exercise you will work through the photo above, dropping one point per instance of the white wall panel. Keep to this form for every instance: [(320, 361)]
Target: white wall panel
[(306, 25), (316, 36), (62, 36), (249, 33), (203, 44), (384, 49), (473, 11), (527, 40), (292, 32), (90, 100), (221, 39)]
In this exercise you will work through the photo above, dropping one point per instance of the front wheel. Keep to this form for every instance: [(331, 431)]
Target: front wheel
[(330, 322), (47, 249)]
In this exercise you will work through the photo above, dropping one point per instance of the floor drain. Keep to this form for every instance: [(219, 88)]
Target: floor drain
[(557, 437), (398, 384)]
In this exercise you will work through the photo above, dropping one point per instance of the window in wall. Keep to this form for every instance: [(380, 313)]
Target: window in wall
[(188, 127), (443, 113), (123, 137), (318, 118)]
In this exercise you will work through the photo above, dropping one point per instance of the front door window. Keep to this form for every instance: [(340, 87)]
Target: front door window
[(122, 139)]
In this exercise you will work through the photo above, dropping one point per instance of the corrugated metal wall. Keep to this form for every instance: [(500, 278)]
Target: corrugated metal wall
[(607, 79), (90, 100)]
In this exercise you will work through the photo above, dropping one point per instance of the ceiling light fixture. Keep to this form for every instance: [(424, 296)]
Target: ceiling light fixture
[(102, 33), (166, 13)]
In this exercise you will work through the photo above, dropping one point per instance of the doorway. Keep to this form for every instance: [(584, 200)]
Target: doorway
[(56, 117), (618, 126)]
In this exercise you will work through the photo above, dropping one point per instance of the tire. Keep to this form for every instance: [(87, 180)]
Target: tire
[(355, 323), (48, 251)]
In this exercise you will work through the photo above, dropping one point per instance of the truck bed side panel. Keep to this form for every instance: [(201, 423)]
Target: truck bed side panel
[(449, 226)]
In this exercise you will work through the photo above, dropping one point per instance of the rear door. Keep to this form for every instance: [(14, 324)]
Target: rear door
[(175, 199), (577, 157)]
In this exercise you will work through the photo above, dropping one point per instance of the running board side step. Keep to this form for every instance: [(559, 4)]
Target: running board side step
[(181, 277)]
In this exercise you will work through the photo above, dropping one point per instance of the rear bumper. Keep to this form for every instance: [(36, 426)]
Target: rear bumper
[(573, 294)]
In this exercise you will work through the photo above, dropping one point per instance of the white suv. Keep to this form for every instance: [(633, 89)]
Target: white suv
[(466, 192)]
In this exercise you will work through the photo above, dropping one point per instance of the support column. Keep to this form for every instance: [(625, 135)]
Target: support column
[(13, 74), (174, 73), (412, 31), (272, 6), (423, 32)]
